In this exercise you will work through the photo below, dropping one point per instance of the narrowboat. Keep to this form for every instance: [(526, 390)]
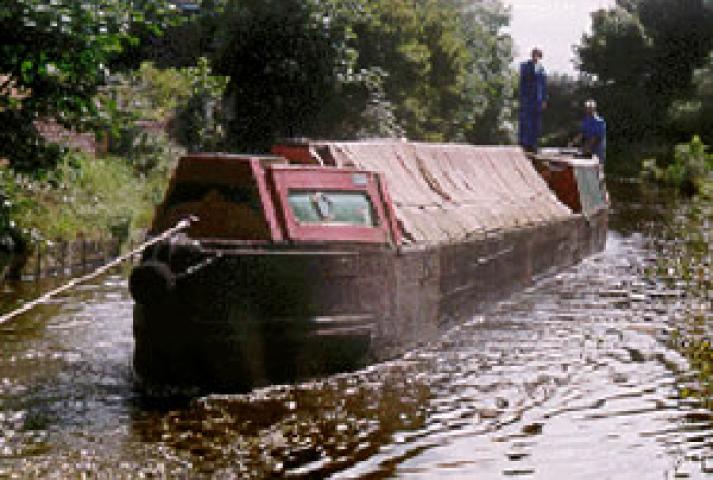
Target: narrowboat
[(325, 256)]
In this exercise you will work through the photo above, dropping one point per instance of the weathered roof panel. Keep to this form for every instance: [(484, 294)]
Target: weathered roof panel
[(445, 192)]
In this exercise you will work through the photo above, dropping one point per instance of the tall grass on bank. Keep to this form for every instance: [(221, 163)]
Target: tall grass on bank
[(82, 196), (114, 195)]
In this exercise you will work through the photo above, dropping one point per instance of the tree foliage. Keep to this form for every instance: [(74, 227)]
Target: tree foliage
[(430, 69), (564, 109), (198, 123), (284, 61), (53, 56), (643, 55), (181, 44), (695, 112)]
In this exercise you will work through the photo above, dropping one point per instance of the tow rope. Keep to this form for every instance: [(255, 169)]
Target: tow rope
[(180, 226)]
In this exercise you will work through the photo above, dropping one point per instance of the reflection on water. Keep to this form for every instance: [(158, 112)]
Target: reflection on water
[(603, 371)]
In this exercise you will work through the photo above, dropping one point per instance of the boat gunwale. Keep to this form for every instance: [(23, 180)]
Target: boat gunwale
[(327, 247)]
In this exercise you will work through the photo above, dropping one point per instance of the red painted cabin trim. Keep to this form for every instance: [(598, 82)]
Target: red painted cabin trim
[(285, 179), (268, 205), (273, 178), (301, 154)]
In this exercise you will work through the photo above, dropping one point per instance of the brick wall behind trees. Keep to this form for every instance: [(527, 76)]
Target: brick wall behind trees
[(53, 132)]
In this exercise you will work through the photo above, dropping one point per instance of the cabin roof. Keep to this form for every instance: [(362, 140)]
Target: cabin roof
[(232, 156), (448, 192)]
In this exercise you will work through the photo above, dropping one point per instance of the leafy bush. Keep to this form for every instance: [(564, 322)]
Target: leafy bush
[(135, 106), (81, 196), (139, 108), (199, 121), (690, 170), (53, 59)]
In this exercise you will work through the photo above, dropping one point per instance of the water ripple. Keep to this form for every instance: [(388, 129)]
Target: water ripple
[(601, 371)]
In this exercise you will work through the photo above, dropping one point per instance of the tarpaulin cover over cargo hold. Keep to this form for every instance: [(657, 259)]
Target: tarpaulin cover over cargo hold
[(447, 192)]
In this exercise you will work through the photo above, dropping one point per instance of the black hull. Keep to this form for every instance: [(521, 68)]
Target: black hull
[(254, 318)]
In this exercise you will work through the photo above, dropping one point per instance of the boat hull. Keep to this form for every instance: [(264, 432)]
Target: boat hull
[(249, 317)]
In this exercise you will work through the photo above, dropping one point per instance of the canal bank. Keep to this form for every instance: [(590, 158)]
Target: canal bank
[(74, 216), (58, 259), (589, 374)]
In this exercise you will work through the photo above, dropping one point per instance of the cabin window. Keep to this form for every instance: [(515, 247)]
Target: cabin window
[(332, 207)]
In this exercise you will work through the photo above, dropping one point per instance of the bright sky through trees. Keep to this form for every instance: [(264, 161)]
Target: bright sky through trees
[(553, 25)]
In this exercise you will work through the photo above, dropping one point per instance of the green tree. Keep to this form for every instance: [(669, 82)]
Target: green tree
[(642, 56), (447, 66), (487, 113), (179, 44), (285, 65), (53, 56), (430, 69), (694, 114), (564, 109), (198, 124)]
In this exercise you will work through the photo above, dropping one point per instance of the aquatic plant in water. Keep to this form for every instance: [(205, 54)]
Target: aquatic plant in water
[(686, 258), (690, 171)]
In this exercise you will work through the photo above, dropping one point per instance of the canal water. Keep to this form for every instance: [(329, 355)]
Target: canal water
[(601, 372)]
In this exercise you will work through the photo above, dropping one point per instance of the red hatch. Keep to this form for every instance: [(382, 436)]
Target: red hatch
[(330, 204)]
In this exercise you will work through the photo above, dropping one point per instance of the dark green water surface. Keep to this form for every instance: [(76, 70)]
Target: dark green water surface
[(601, 372)]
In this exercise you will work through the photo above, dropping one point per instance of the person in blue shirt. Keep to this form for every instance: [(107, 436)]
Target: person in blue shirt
[(533, 100), (593, 136)]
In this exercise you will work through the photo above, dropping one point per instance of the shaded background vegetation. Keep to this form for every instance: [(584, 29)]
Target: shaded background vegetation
[(649, 65), (153, 78), (427, 69)]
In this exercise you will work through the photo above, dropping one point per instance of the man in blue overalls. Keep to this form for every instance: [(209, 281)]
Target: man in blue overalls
[(594, 132), (533, 99)]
